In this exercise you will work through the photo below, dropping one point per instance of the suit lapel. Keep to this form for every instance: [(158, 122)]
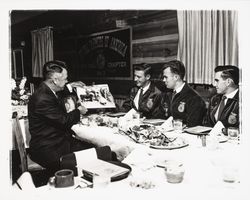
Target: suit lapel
[(214, 109), (229, 102), (180, 94)]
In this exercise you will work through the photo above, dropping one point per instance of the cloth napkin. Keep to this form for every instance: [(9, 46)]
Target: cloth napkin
[(168, 124), (217, 129)]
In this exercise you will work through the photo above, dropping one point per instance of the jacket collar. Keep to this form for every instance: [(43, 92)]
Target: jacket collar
[(47, 89)]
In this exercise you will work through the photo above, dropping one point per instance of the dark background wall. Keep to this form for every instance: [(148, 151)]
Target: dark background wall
[(154, 37)]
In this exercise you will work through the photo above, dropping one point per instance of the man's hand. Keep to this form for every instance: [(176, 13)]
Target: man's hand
[(77, 84), (82, 109)]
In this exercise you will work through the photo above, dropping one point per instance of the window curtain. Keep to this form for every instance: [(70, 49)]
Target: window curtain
[(207, 39), (42, 49)]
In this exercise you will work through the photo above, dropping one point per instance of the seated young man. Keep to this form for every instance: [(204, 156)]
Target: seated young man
[(183, 102), (145, 97), (224, 106)]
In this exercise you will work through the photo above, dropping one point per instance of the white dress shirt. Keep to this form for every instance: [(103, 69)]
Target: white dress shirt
[(179, 88), (136, 99)]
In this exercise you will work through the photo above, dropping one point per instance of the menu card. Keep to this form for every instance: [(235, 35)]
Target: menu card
[(95, 96), (101, 167)]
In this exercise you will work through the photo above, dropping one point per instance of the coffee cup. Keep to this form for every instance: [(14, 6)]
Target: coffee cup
[(64, 178)]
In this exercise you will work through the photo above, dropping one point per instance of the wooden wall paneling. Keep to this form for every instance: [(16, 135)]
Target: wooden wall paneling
[(155, 28), (155, 49), (155, 40)]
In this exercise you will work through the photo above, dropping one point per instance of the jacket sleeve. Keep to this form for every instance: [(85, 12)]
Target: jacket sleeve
[(128, 103), (207, 120), (196, 112)]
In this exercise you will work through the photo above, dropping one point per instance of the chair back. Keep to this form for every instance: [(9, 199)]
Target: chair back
[(16, 128)]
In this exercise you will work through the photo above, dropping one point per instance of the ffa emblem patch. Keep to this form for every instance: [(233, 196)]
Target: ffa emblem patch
[(150, 103), (232, 118), (181, 106)]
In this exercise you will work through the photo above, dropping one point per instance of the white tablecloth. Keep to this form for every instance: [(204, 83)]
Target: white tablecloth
[(203, 178), (204, 166)]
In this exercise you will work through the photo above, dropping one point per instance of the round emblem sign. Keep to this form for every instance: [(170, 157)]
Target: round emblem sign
[(181, 107), (232, 118), (150, 103)]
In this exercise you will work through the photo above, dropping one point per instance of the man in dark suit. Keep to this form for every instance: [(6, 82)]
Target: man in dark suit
[(145, 97), (50, 124), (182, 102), (224, 106)]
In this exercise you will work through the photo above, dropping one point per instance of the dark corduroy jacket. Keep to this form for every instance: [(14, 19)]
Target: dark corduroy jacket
[(48, 121), (230, 114), (186, 105), (150, 102)]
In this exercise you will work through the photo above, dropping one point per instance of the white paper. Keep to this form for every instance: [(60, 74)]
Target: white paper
[(84, 156), (217, 129)]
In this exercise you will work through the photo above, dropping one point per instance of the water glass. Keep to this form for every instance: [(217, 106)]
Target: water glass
[(101, 181), (230, 174), (177, 125), (136, 118), (233, 133), (212, 142)]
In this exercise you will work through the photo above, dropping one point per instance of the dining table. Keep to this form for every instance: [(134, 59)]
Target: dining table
[(210, 169)]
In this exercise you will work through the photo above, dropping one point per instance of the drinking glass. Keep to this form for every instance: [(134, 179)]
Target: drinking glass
[(177, 125), (101, 181)]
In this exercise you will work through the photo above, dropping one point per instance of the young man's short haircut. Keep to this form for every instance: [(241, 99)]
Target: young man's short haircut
[(176, 67), (229, 71), (144, 67)]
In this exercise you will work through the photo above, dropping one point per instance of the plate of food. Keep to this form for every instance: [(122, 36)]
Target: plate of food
[(143, 133), (155, 137), (168, 143)]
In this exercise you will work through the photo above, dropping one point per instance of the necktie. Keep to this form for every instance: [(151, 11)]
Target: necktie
[(140, 97), (221, 107), (173, 94)]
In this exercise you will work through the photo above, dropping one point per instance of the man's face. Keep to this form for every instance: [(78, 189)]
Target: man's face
[(220, 84), (61, 79), (140, 78), (169, 78)]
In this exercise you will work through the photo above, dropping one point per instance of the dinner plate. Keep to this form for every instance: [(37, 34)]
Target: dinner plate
[(169, 147), (154, 121), (198, 130), (119, 114)]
